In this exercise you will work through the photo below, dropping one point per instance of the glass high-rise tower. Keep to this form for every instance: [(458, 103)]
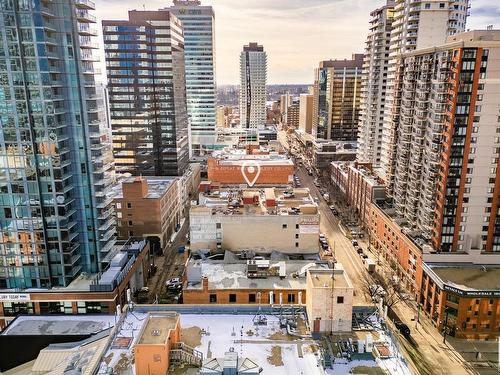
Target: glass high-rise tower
[(147, 93), (198, 23), (56, 165)]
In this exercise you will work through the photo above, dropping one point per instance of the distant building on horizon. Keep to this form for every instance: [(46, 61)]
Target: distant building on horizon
[(337, 92), (147, 94), (198, 23), (253, 77), (306, 112)]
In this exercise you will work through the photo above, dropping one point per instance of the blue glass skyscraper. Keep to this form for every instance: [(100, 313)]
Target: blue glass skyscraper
[(198, 23), (56, 166)]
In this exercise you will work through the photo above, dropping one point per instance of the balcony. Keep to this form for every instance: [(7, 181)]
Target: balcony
[(85, 4), (84, 29), (84, 16)]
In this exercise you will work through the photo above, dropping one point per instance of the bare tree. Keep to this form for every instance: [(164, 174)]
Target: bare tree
[(378, 286)]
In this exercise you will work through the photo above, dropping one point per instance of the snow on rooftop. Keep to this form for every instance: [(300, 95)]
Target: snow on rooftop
[(59, 324)]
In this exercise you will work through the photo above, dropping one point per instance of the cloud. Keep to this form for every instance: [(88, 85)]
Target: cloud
[(296, 34)]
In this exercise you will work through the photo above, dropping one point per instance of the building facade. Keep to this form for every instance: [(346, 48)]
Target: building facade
[(374, 84), (198, 23), (148, 207), (306, 113), (253, 78), (329, 300), (446, 159), (88, 293), (360, 185), (337, 92), (55, 161), (273, 169), (287, 221), (292, 115), (414, 26), (147, 94)]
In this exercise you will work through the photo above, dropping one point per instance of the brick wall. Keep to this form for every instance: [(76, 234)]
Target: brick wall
[(231, 174)]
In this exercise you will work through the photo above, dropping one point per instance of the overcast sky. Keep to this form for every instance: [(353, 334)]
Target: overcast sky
[(296, 34)]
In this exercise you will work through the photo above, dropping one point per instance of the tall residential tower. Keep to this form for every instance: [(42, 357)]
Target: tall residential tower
[(253, 76), (447, 182), (374, 84), (147, 93), (56, 167), (198, 23), (415, 25)]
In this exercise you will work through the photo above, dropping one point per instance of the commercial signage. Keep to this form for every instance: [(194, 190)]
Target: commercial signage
[(14, 297), (309, 229), (472, 293)]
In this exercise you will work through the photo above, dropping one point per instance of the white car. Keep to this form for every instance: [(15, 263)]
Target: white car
[(174, 283)]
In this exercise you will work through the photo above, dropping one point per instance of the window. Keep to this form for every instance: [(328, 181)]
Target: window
[(427, 6), (218, 225), (284, 226), (251, 298), (131, 233), (129, 205), (213, 298), (291, 298), (232, 298), (296, 226), (296, 235), (296, 244), (340, 299), (130, 223)]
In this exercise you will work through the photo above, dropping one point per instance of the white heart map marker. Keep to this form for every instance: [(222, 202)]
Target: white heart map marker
[(250, 168)]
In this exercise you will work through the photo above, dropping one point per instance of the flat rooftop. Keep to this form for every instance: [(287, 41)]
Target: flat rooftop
[(324, 280), (469, 277), (222, 275), (59, 324), (222, 332), (157, 186), (288, 201), (157, 329)]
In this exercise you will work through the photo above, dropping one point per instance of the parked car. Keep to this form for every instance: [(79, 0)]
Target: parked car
[(354, 243), (403, 328), (322, 235), (174, 283), (324, 245), (359, 250)]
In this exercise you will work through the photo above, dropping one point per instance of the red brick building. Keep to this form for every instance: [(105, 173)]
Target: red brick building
[(274, 169)]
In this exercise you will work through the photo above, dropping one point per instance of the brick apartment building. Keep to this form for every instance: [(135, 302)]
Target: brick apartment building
[(148, 207)]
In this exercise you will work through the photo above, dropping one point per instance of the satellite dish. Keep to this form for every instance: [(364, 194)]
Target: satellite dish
[(60, 199)]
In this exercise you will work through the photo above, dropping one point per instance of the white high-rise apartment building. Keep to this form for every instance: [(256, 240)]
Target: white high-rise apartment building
[(416, 25), (374, 84), (199, 54), (253, 76)]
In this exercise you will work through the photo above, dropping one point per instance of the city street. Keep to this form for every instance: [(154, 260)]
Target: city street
[(428, 354), (341, 246)]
